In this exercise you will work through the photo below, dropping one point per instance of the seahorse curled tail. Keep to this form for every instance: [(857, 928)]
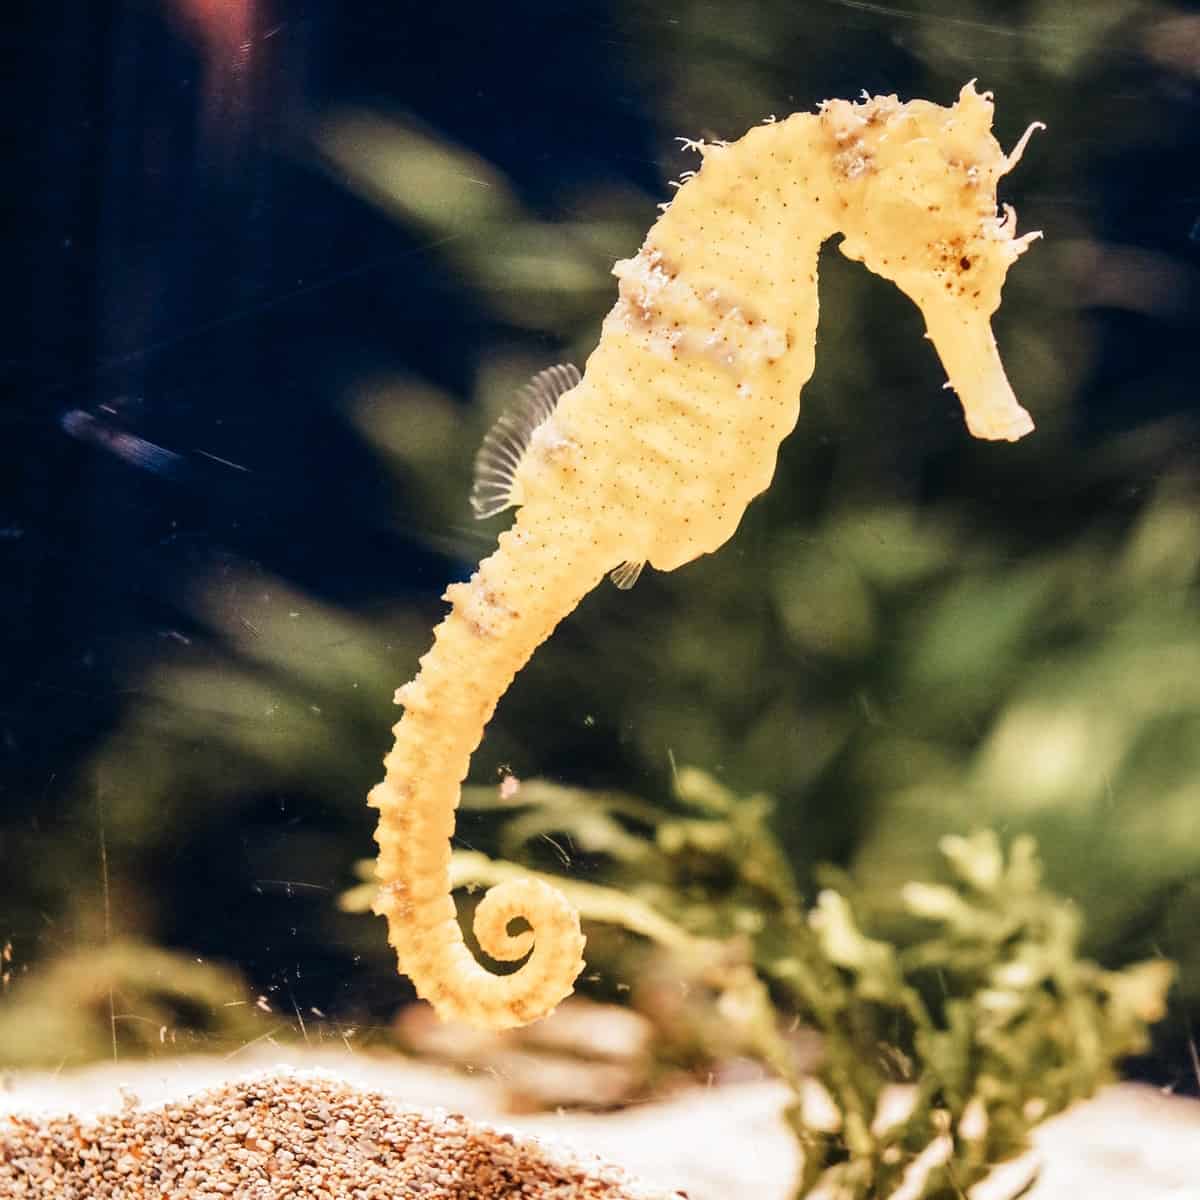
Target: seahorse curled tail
[(497, 619)]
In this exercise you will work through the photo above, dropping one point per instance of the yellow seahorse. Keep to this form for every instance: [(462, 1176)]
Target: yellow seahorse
[(654, 453)]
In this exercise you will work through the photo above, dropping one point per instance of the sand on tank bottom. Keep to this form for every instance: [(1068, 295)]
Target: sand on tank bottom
[(718, 1143), (293, 1134)]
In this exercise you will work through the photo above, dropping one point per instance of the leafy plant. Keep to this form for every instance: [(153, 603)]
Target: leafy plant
[(120, 999), (953, 1016)]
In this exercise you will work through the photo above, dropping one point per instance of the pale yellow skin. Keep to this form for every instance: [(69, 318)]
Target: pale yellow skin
[(656, 453)]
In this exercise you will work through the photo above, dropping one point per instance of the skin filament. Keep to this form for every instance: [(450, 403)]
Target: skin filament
[(653, 456)]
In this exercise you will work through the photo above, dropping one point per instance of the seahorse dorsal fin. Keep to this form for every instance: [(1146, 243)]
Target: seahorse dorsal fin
[(626, 575), (505, 445)]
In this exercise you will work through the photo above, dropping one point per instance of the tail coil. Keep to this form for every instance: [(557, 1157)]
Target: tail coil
[(477, 650)]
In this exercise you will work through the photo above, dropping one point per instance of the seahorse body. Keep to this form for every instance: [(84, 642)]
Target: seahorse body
[(655, 453)]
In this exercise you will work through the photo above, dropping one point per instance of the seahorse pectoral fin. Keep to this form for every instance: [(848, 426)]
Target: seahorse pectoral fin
[(508, 440), (966, 345), (626, 575)]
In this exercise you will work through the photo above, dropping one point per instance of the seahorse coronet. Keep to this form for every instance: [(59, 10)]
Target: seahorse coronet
[(655, 453)]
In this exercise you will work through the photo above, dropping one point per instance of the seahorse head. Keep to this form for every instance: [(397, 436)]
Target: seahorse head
[(918, 181)]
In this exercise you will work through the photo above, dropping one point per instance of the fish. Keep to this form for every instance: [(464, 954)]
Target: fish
[(652, 453)]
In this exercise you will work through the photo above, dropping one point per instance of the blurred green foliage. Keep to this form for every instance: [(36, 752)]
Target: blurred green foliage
[(120, 1000), (910, 636)]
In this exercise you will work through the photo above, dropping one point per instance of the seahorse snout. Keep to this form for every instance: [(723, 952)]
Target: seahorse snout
[(966, 345)]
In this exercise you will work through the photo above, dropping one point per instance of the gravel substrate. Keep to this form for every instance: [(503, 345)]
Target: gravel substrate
[(295, 1134)]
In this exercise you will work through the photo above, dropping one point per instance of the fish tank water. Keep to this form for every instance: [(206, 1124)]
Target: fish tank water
[(875, 794)]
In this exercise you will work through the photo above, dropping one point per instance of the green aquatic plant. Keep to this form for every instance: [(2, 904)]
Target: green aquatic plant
[(952, 1017), (120, 1000)]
